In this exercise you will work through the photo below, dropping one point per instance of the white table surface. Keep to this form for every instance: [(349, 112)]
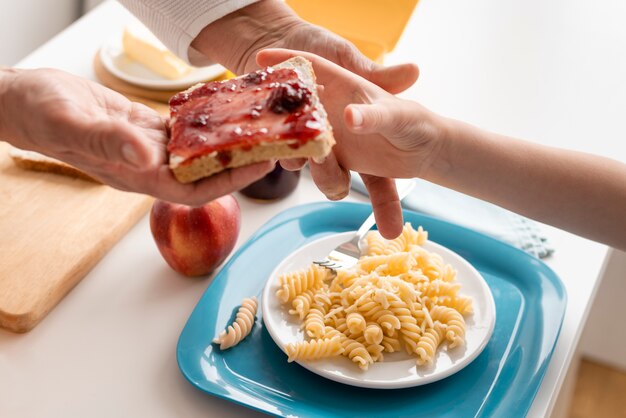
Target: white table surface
[(553, 72)]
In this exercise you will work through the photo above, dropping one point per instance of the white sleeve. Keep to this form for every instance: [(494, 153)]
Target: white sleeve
[(177, 22)]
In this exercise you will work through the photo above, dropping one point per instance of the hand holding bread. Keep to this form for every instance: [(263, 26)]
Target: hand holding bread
[(125, 145), (103, 134)]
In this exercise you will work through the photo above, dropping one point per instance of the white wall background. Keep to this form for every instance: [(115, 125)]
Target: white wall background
[(26, 24)]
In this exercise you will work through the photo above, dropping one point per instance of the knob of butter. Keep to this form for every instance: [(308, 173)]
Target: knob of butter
[(142, 46)]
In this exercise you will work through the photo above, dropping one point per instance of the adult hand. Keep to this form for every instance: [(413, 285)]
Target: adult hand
[(235, 39), (378, 135), (101, 132), (272, 24)]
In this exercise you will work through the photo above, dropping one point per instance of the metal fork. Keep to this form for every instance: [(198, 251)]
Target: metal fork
[(347, 254)]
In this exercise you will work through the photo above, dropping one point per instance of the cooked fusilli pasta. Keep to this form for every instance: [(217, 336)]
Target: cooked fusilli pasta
[(373, 333), (302, 303), (314, 349), (298, 282), (399, 295), (314, 322), (428, 343), (241, 327)]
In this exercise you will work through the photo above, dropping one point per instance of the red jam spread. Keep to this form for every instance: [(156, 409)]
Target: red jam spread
[(266, 105)]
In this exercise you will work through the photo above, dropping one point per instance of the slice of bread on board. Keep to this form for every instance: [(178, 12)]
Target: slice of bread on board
[(31, 160)]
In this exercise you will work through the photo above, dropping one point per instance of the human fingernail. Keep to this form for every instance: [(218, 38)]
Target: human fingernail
[(357, 118), (319, 160), (131, 155), (337, 195)]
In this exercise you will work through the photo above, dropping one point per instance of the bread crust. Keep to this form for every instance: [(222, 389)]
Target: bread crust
[(31, 160), (187, 171)]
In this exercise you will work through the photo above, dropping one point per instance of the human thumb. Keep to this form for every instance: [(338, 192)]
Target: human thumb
[(118, 142), (370, 118)]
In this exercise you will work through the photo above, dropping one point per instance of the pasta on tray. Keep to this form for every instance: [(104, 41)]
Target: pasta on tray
[(398, 296), (241, 327)]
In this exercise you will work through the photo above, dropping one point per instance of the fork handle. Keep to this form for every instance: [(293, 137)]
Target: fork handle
[(364, 229), (370, 221)]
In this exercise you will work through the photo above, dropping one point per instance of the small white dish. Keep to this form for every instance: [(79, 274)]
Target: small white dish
[(398, 370), (117, 63)]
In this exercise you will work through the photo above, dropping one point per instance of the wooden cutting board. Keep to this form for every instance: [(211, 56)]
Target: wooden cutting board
[(53, 230)]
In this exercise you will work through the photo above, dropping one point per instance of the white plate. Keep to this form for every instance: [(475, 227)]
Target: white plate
[(117, 63), (398, 370)]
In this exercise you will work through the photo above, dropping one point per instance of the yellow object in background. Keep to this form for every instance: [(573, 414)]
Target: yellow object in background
[(142, 46), (374, 26)]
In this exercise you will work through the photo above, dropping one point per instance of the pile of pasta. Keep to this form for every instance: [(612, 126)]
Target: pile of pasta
[(398, 296)]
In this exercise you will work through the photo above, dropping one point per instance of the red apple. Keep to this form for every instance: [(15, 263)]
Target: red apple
[(195, 240)]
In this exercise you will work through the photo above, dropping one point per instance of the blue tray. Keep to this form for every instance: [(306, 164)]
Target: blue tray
[(502, 381)]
